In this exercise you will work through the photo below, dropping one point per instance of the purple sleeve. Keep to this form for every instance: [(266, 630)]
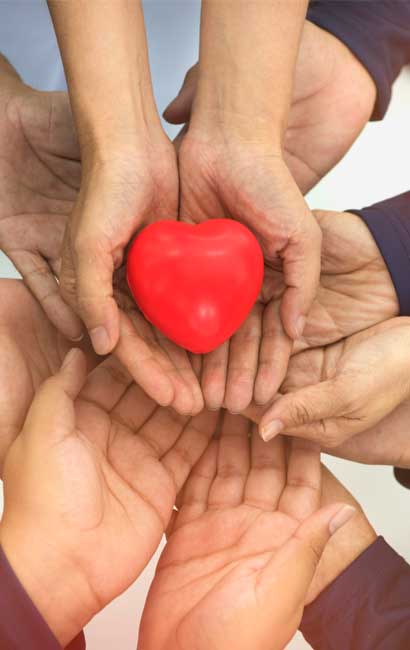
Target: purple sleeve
[(21, 625), (366, 608), (389, 223), (376, 31)]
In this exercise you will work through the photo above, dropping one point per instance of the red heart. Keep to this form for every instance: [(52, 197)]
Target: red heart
[(196, 284)]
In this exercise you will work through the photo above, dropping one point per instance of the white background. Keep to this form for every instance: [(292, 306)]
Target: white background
[(376, 168)]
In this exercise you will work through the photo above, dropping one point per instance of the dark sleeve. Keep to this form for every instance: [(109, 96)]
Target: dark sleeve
[(366, 608), (389, 223), (21, 625), (376, 31)]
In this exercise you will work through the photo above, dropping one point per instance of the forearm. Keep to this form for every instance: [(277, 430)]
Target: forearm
[(21, 624), (248, 53), (104, 50), (366, 607)]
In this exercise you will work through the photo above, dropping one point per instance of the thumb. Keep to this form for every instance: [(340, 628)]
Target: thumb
[(296, 562), (179, 110), (51, 415), (321, 401)]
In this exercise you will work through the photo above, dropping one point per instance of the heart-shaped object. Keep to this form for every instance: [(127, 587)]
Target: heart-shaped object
[(195, 283)]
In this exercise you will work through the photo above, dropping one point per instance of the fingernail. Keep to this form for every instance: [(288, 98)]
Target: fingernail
[(272, 429), (69, 357), (100, 340), (78, 338), (300, 326), (341, 518)]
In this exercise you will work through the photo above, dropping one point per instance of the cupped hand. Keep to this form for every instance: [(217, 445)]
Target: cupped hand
[(90, 484), (334, 393), (333, 99), (39, 179), (243, 547), (116, 199), (355, 292)]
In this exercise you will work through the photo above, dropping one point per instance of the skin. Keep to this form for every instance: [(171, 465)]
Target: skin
[(333, 98), (319, 402), (114, 463), (355, 292), (39, 181), (129, 178), (248, 528), (231, 157)]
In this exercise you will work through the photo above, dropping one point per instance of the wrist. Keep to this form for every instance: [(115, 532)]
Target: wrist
[(223, 111), (58, 590)]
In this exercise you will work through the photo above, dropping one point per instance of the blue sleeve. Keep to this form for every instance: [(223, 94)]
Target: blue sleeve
[(21, 625), (376, 31), (389, 223), (366, 608)]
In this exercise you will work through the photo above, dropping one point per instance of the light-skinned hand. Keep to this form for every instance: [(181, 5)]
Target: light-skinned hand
[(39, 179), (31, 350), (89, 488), (243, 548), (333, 393)]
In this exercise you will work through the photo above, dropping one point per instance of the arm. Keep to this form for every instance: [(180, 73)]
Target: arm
[(247, 59), (104, 51), (366, 607), (129, 178), (389, 223), (378, 34), (21, 625)]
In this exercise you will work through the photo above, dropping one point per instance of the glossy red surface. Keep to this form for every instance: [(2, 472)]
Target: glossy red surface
[(195, 283)]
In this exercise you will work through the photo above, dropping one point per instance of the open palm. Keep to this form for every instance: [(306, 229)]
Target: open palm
[(242, 551), (39, 178), (114, 464)]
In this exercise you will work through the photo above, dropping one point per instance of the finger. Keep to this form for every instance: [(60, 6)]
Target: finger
[(214, 373), (301, 267), (310, 404), (180, 361), (243, 362), (267, 475), (51, 416), (294, 565), (233, 463), (86, 283), (196, 490), (179, 110), (107, 383), (189, 447), (274, 355), (40, 279), (142, 360), (302, 493)]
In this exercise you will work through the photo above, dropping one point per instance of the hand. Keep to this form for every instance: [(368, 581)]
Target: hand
[(39, 178), (355, 292), (89, 487), (334, 393), (247, 532), (333, 99), (346, 544), (31, 350)]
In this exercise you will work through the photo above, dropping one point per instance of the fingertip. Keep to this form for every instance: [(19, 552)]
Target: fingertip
[(340, 519)]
